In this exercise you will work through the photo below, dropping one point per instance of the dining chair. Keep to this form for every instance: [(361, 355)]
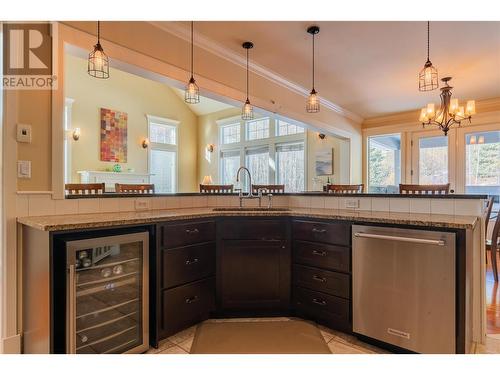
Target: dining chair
[(494, 245), (270, 189), (344, 189), (424, 189), (84, 189), (135, 188), (216, 189)]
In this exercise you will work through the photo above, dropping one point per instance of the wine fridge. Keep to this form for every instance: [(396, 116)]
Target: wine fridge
[(107, 294)]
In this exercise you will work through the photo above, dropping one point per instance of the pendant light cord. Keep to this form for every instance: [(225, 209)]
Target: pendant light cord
[(192, 49), (98, 32), (428, 40), (247, 73), (313, 63)]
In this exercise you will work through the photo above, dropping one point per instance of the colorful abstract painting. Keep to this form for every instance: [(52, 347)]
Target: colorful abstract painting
[(113, 136)]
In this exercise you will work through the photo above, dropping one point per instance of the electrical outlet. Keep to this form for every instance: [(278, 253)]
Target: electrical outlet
[(352, 203), (23, 133), (141, 204), (24, 169)]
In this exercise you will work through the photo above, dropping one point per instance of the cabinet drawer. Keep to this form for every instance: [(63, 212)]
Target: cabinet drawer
[(337, 258), (187, 233), (186, 305), (334, 312), (337, 284), (253, 229), (185, 264), (331, 233)]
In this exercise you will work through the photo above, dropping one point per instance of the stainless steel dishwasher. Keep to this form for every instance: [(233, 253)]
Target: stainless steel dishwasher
[(404, 287)]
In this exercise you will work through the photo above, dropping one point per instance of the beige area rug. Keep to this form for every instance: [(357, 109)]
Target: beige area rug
[(273, 337)]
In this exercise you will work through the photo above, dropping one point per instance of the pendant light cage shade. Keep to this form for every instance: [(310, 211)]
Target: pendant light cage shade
[(247, 111), (192, 92), (312, 104), (428, 78), (98, 61)]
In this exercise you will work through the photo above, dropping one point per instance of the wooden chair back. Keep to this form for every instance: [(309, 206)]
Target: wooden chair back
[(269, 189), (84, 189), (216, 189), (344, 189), (424, 189), (495, 246), (489, 207), (135, 188)]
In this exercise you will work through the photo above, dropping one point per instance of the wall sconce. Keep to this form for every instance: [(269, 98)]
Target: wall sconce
[(145, 143), (207, 180), (321, 136), (210, 147), (76, 134)]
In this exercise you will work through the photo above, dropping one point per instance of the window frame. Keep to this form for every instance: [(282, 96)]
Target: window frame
[(271, 142), (163, 146), (401, 157)]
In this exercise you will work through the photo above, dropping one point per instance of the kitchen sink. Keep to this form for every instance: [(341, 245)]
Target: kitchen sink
[(251, 209)]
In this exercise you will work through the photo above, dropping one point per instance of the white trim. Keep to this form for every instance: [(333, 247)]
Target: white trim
[(162, 120), (225, 53)]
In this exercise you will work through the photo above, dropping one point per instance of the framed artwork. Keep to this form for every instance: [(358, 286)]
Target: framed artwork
[(324, 162), (113, 136)]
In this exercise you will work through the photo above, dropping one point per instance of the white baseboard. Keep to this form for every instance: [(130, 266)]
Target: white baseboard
[(11, 345)]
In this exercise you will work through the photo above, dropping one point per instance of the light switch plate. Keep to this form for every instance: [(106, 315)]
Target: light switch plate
[(24, 169), (352, 203), (23, 133)]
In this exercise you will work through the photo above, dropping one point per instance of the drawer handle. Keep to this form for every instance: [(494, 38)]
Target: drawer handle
[(191, 261), (316, 230), (192, 231), (319, 253), (318, 278), (318, 301), (191, 299)]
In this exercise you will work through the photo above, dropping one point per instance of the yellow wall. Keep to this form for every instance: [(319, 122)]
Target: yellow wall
[(137, 97)]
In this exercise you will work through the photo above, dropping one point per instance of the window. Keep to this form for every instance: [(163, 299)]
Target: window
[(285, 128), (163, 154), (257, 161), (162, 168), (162, 133), (384, 163), (230, 162), (482, 163), (433, 160), (230, 133), (290, 166), (257, 129)]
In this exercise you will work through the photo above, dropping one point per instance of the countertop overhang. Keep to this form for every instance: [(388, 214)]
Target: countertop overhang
[(103, 220)]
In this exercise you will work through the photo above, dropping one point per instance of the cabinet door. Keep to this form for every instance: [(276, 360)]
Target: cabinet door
[(254, 276)]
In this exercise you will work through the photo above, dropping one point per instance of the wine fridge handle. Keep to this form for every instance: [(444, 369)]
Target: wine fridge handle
[(72, 310)]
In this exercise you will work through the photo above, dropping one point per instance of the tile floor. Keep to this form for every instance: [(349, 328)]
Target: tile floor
[(338, 342)]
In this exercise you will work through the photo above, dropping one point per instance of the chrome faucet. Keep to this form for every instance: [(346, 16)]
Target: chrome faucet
[(250, 194)]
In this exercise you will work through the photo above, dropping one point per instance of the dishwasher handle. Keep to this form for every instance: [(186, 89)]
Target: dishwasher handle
[(400, 239)]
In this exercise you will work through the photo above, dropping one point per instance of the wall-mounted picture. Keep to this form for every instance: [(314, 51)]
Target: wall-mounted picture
[(324, 162), (113, 136)]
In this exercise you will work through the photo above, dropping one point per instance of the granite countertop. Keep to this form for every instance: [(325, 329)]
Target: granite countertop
[(102, 220)]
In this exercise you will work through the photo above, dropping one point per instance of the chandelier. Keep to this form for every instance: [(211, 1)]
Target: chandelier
[(450, 112)]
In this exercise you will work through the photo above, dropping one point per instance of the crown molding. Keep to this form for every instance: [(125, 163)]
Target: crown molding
[(411, 117), (219, 50)]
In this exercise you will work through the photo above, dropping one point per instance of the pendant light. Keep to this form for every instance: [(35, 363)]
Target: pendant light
[(98, 62), (192, 92), (247, 110), (312, 104), (428, 76)]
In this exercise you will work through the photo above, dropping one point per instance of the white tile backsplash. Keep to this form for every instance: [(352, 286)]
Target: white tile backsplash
[(40, 205), (88, 205), (442, 206), (468, 207), (380, 204), (317, 202), (172, 202), (332, 203), (399, 205), (420, 205), (158, 203), (66, 206), (126, 204), (22, 205)]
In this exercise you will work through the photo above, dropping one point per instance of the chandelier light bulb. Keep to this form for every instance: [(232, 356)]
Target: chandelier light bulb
[(453, 106), (470, 108)]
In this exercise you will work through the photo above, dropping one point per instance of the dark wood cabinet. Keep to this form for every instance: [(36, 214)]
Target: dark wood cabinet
[(322, 272), (253, 271)]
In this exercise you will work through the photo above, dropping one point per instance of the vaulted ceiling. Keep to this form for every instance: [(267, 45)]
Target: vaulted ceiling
[(369, 68)]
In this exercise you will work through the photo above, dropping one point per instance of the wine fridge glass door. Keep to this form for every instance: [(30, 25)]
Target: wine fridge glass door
[(107, 294)]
